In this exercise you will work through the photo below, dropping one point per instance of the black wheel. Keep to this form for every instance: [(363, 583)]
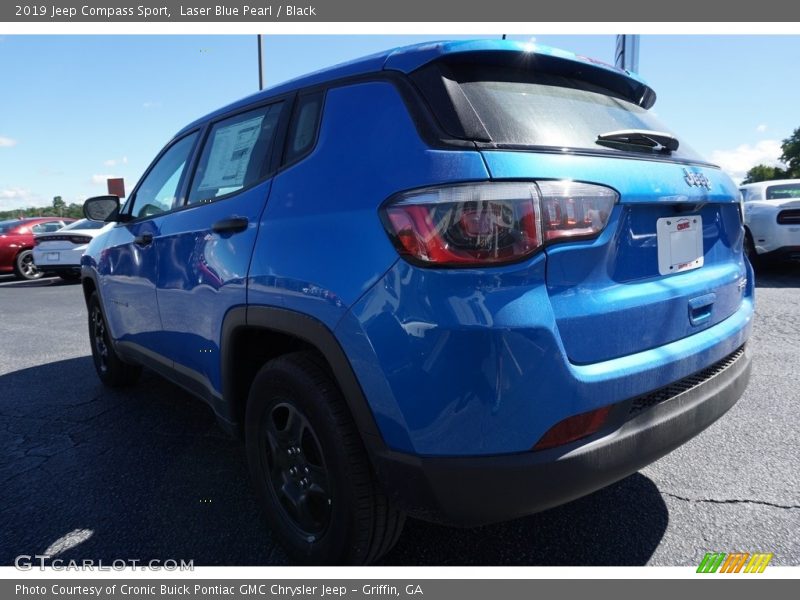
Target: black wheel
[(24, 267), (111, 369), (70, 275), (311, 470), (750, 249)]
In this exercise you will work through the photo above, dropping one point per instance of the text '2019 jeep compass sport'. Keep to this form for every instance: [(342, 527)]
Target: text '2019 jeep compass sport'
[(463, 281)]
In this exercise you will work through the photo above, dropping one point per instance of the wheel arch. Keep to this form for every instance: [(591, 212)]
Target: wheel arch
[(263, 333)]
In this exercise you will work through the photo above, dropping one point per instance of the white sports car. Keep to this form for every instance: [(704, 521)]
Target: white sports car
[(60, 252), (772, 219)]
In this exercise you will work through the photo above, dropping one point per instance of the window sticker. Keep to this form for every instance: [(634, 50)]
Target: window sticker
[(230, 155)]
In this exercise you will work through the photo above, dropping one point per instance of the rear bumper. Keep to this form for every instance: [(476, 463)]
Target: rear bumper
[(68, 260), (472, 491), (76, 269)]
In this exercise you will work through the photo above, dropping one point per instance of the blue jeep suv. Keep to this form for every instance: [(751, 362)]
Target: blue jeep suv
[(463, 281)]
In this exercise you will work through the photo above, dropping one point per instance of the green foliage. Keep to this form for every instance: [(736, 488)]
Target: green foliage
[(764, 173), (74, 211), (791, 154), (790, 157)]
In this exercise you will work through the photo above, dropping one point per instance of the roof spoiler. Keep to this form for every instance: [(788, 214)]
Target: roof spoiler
[(531, 57)]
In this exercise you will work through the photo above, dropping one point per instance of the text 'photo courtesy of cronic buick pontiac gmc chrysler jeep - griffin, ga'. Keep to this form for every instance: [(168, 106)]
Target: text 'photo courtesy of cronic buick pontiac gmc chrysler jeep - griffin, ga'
[(461, 281)]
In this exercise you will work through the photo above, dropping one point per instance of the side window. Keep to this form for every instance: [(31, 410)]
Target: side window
[(751, 194), (159, 189), (236, 154), (303, 127)]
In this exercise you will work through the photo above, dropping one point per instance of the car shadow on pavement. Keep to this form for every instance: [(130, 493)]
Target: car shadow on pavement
[(145, 474), (9, 283), (778, 275), (620, 525)]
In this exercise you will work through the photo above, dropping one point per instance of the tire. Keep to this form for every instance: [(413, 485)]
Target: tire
[(24, 267), (111, 369), (311, 470), (69, 276)]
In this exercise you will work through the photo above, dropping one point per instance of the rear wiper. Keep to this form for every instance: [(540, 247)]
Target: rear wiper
[(657, 140)]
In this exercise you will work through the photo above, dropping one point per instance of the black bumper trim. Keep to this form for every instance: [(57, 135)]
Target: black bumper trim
[(60, 269), (471, 491), (783, 253)]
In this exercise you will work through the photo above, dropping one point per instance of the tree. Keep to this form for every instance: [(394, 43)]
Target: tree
[(791, 154), (75, 211), (764, 173), (59, 205)]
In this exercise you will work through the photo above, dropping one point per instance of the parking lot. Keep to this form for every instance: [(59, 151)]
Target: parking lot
[(147, 472)]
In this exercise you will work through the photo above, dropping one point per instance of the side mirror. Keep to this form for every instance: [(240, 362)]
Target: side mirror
[(102, 208)]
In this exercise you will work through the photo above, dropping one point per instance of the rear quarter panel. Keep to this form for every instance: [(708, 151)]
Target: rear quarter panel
[(321, 244)]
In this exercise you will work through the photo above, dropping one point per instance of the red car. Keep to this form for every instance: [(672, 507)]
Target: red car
[(16, 244)]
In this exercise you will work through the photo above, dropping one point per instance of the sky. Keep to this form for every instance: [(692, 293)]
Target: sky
[(77, 109)]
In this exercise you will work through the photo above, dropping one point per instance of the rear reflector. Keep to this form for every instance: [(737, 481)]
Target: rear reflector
[(573, 428), (493, 223)]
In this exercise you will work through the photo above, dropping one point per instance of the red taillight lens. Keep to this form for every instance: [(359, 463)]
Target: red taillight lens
[(573, 428), (80, 239), (493, 223), (36, 241), (466, 224), (575, 210)]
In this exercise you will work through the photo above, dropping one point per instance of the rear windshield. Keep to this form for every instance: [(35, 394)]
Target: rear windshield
[(84, 224), (535, 109), (783, 191)]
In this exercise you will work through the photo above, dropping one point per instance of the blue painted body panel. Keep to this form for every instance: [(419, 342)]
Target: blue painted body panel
[(129, 284), (410, 58), (202, 275), (470, 362), (452, 362), (323, 273), (610, 287)]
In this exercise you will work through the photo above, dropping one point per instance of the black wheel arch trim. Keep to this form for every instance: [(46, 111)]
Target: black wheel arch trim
[(274, 319), (317, 335)]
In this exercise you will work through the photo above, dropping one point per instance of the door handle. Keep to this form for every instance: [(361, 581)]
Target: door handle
[(700, 308), (230, 225), (144, 239)]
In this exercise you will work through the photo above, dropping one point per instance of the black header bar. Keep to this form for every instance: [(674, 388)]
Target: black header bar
[(440, 11)]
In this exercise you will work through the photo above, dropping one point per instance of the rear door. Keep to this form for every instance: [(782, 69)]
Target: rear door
[(205, 246)]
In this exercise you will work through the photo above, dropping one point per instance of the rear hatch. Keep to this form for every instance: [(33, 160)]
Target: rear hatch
[(668, 262)]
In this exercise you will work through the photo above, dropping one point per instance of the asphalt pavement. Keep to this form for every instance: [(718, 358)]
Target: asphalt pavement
[(145, 473)]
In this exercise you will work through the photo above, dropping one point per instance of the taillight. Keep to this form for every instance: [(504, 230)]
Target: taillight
[(36, 241), (575, 210), (573, 428), (80, 239), (493, 223)]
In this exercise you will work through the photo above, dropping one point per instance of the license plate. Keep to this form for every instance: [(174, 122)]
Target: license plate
[(52, 256), (680, 244)]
